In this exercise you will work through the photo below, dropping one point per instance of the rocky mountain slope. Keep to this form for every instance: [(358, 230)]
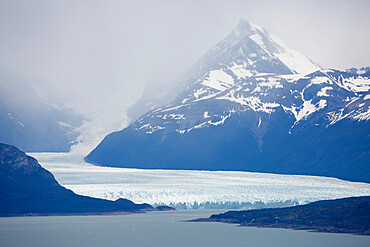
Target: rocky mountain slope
[(348, 215), (254, 104), (31, 123), (28, 189)]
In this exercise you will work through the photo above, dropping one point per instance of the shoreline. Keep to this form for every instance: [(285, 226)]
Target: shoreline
[(84, 214), (273, 226)]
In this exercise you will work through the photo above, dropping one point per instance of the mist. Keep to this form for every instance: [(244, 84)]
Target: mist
[(95, 54)]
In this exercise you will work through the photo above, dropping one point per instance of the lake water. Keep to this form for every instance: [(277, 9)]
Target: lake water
[(156, 229)]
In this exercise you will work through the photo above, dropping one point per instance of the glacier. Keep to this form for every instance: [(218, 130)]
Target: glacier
[(99, 122), (189, 189)]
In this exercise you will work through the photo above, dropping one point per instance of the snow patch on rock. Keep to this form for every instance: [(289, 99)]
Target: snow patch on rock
[(219, 80)]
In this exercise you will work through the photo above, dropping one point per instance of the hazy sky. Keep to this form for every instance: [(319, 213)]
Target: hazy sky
[(101, 52)]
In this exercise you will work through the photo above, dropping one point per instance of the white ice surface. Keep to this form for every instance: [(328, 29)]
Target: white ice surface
[(100, 123), (219, 80), (324, 92), (174, 187), (293, 59), (240, 70), (253, 102), (319, 80), (363, 116), (334, 117), (359, 84), (257, 38), (309, 108)]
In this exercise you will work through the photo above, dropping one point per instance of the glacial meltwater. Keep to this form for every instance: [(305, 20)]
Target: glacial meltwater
[(165, 229)]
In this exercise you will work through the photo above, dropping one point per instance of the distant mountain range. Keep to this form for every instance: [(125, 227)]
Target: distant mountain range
[(28, 189), (30, 122), (348, 215), (254, 104)]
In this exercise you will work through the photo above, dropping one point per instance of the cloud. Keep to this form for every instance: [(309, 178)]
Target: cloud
[(104, 52)]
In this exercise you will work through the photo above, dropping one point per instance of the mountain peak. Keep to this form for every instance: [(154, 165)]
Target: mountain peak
[(270, 47), (249, 50), (245, 26), (256, 50)]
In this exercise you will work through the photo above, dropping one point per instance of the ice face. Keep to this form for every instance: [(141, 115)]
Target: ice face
[(194, 189)]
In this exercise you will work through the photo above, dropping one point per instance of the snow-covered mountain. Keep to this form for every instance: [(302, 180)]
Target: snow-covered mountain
[(254, 104), (244, 54)]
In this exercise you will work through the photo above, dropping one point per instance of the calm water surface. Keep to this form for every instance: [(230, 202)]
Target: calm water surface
[(156, 229)]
